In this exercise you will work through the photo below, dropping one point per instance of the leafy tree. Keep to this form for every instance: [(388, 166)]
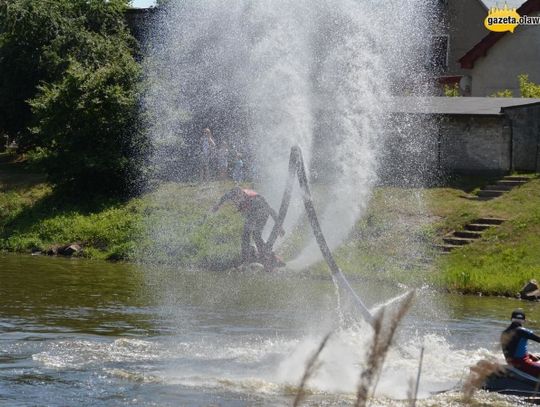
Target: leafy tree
[(505, 93), (527, 88), (451, 91), (80, 100), (26, 29)]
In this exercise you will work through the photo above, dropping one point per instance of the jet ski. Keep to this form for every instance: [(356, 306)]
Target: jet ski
[(511, 381)]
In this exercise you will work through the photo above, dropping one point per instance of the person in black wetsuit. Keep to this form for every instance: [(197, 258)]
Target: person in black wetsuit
[(255, 211), (514, 345)]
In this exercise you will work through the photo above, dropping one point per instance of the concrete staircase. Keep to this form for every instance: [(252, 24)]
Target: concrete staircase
[(501, 186), (470, 232)]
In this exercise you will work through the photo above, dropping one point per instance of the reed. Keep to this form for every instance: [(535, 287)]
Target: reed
[(311, 367), (477, 377), (382, 339)]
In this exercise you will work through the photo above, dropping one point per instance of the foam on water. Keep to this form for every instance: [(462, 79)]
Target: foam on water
[(271, 366), (77, 354)]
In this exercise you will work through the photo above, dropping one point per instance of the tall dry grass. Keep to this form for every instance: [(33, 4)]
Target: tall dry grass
[(384, 330), (382, 339), (477, 377), (312, 366)]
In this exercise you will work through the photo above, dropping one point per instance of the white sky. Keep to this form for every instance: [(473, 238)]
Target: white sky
[(488, 3), (143, 3), (500, 3)]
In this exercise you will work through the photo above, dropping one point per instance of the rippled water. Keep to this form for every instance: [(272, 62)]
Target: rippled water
[(83, 333)]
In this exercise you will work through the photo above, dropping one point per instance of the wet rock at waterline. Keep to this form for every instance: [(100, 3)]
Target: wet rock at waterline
[(66, 250), (530, 291)]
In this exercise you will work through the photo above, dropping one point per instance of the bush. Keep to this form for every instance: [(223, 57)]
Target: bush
[(79, 89), (451, 91), (505, 93), (527, 88)]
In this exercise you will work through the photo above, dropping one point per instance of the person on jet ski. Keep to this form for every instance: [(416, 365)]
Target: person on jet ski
[(514, 345), (255, 211)]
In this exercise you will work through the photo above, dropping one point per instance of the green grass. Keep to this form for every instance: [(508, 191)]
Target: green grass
[(506, 257), (393, 240), (35, 217)]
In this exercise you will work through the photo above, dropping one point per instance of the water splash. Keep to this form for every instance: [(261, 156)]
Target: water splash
[(267, 76)]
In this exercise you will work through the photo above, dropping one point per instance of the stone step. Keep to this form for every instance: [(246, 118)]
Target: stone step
[(516, 178), (489, 221), (486, 193), (511, 183), (468, 234), (478, 227), (499, 187), (446, 248), (457, 241)]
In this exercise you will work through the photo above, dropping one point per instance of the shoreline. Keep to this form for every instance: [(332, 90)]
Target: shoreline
[(394, 238)]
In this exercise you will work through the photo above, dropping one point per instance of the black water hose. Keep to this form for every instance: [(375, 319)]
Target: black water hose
[(298, 170)]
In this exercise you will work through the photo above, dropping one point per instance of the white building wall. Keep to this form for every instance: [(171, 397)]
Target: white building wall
[(513, 55)]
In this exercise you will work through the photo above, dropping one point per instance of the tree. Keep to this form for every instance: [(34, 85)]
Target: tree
[(26, 29), (451, 91), (527, 88), (505, 93), (80, 103)]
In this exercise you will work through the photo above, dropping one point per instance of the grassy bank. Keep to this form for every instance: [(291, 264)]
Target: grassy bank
[(393, 240), (34, 218), (506, 257), (397, 235)]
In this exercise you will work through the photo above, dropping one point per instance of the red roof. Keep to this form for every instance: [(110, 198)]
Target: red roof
[(480, 50)]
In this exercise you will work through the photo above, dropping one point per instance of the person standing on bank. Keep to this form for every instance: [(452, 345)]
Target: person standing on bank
[(238, 169), (223, 160), (208, 146), (255, 211), (514, 345)]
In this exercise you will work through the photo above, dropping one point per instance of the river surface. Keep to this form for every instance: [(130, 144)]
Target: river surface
[(86, 333)]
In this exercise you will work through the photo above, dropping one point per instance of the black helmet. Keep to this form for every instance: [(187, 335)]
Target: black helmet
[(518, 314)]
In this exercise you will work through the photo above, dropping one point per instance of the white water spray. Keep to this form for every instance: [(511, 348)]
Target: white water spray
[(270, 75)]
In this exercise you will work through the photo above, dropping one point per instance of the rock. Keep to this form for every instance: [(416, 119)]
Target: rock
[(69, 250), (52, 251), (255, 267), (530, 291), (66, 250)]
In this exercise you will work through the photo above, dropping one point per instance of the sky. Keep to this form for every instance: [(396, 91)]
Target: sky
[(500, 3), (488, 3), (143, 3)]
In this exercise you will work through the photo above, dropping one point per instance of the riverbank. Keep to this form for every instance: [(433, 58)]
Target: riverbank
[(35, 218), (393, 241)]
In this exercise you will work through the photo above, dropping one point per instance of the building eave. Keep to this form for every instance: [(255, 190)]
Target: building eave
[(481, 48)]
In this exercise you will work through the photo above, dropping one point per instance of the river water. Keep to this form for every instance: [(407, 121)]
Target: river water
[(86, 333)]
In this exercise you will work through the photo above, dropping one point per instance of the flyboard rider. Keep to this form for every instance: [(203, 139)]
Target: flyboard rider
[(255, 211), (514, 345)]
